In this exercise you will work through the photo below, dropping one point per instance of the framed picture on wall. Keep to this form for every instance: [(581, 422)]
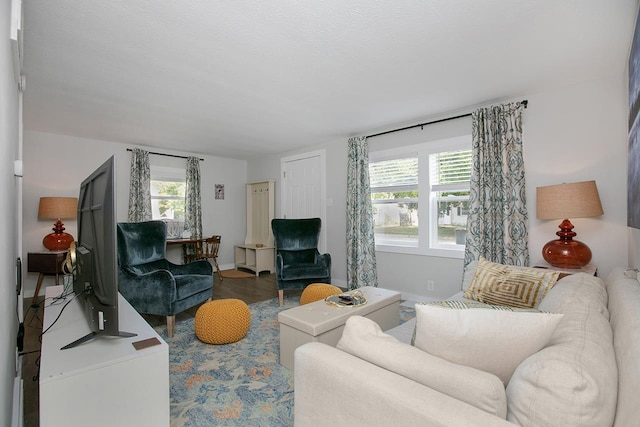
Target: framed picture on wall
[(633, 170), (219, 191)]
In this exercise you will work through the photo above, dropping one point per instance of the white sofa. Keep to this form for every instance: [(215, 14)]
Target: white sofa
[(587, 375)]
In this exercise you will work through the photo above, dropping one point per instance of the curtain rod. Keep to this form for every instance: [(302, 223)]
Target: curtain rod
[(167, 155), (523, 102)]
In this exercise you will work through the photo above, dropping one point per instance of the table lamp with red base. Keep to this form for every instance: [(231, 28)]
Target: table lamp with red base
[(58, 208), (563, 201)]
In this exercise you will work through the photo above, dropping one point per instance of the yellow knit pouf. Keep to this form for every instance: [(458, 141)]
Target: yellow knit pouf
[(222, 321), (318, 291)]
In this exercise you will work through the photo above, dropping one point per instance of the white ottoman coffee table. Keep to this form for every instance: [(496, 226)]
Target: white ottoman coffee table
[(324, 323)]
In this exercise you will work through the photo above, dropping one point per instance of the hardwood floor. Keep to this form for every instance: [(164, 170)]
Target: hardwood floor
[(249, 290)]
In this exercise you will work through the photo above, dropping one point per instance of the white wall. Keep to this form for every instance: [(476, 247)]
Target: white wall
[(55, 165), (579, 133), (8, 218), (336, 223), (571, 133)]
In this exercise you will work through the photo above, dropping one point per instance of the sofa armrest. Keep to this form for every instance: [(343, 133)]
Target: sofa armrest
[(202, 267), (624, 300), (334, 388)]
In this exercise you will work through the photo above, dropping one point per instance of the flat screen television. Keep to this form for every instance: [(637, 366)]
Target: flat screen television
[(95, 277)]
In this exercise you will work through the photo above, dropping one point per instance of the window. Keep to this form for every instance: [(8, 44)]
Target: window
[(394, 198), (420, 197), (450, 174), (168, 187)]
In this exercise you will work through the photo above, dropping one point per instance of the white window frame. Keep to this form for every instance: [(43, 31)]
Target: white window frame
[(168, 174), (427, 235)]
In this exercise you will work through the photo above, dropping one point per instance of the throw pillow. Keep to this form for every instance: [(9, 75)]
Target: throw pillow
[(574, 380), (363, 338), (492, 340), (467, 276), (509, 285), (468, 304)]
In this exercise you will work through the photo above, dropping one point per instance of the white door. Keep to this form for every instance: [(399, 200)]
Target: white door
[(303, 189)]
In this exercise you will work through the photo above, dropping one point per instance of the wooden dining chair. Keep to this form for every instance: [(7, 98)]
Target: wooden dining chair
[(208, 249)]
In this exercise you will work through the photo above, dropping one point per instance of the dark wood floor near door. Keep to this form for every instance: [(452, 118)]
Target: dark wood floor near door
[(249, 290)]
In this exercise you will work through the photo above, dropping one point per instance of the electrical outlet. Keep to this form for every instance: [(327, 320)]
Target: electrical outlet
[(430, 285)]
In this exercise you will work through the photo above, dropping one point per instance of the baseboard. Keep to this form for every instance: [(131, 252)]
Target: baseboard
[(17, 419), (227, 266), (419, 298)]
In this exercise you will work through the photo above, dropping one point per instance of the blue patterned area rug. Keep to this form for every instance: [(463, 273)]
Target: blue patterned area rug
[(238, 384)]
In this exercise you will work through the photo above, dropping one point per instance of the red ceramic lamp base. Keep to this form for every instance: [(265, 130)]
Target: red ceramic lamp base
[(58, 240), (566, 252)]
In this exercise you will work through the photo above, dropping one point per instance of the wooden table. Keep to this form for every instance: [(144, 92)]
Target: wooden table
[(47, 263), (186, 258)]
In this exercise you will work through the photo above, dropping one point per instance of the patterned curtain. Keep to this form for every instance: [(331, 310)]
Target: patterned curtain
[(361, 248), (498, 221), (140, 187), (193, 208)]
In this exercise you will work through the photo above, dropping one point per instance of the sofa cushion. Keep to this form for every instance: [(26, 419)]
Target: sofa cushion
[(192, 284), (461, 303), (304, 271), (467, 276), (363, 338), (494, 340), (510, 285), (573, 381), (301, 256), (624, 300)]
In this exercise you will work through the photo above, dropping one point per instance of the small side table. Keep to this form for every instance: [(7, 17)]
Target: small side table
[(47, 263), (589, 268)]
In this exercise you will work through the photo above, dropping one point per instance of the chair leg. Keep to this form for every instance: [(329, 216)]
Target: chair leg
[(171, 323), (215, 260), (280, 297)]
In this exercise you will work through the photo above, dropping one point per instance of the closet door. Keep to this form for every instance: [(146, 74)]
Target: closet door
[(303, 189)]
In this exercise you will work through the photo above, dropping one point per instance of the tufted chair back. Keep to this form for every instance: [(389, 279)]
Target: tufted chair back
[(141, 242)]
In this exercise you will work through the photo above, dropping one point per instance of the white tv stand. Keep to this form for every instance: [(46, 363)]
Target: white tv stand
[(103, 382)]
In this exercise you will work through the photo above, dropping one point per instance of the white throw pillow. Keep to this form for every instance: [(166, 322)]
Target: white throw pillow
[(494, 341), (363, 338)]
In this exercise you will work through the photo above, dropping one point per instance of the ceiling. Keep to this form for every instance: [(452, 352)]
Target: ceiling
[(251, 78)]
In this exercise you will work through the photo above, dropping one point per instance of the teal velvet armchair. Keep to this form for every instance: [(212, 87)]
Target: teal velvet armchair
[(298, 261), (151, 283)]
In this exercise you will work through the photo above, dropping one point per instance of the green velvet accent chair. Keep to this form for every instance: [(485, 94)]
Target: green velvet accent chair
[(151, 283), (298, 261)]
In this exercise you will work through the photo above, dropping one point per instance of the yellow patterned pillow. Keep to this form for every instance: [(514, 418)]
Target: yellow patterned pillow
[(509, 285)]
